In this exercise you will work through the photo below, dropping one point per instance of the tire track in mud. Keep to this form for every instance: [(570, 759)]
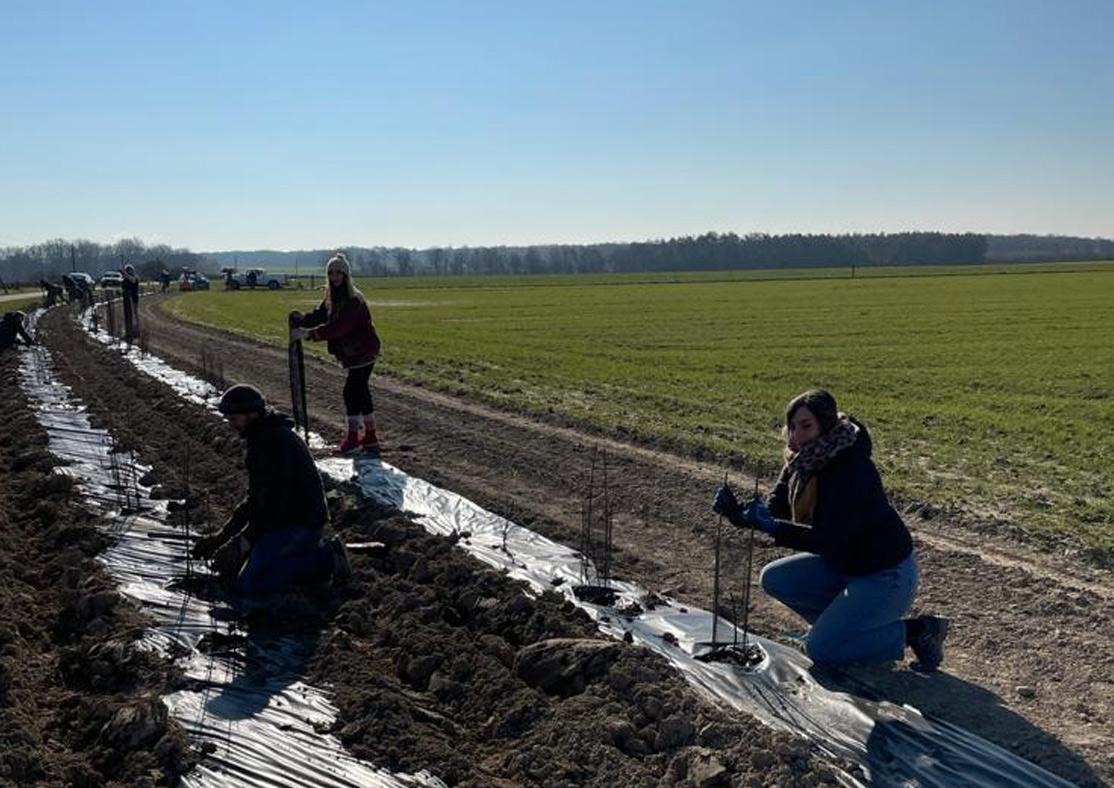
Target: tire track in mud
[(1030, 660)]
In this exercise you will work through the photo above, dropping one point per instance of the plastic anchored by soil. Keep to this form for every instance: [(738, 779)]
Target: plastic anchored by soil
[(245, 704), (892, 745)]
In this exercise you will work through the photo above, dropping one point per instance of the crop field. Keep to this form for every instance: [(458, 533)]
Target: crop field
[(22, 302), (988, 393)]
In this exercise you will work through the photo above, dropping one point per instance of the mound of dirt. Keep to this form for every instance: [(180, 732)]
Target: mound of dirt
[(438, 662), (78, 701)]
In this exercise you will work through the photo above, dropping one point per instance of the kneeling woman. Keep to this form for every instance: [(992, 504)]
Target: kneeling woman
[(857, 575)]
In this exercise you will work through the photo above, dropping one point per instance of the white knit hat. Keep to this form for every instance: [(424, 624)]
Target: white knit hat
[(339, 262)]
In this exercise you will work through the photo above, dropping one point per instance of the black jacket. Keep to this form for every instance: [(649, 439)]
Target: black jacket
[(854, 528), (130, 287), (11, 327), (284, 487)]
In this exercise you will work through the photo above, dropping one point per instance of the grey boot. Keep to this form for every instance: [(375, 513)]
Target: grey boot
[(926, 635)]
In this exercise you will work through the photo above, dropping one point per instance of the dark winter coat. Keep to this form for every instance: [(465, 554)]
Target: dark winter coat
[(131, 288), (11, 327), (349, 331), (854, 528), (284, 487)]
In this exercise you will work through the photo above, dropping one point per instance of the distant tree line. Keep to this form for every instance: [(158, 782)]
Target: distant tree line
[(51, 259), (1045, 248), (710, 251)]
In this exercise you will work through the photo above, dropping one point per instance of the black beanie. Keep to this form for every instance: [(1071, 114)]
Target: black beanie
[(242, 398)]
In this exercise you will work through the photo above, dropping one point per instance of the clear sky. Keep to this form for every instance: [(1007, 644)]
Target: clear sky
[(221, 125)]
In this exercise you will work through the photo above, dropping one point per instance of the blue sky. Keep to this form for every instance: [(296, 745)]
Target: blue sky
[(305, 125)]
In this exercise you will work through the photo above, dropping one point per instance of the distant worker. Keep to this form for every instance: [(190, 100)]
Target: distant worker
[(79, 289), (857, 576), (344, 321), (164, 280), (12, 329), (51, 293), (274, 538), (130, 288)]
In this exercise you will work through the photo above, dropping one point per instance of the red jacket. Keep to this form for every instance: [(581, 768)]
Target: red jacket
[(349, 331)]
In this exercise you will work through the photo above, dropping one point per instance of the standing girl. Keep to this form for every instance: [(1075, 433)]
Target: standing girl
[(344, 321)]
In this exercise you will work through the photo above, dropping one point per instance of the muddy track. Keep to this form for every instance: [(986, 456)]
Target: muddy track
[(1030, 662)]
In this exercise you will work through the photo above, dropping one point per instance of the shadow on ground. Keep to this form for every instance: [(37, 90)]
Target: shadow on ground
[(959, 708)]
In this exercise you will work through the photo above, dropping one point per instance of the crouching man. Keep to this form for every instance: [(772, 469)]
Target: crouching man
[(12, 328), (274, 538)]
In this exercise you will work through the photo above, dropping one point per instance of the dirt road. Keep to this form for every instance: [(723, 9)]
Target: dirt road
[(1029, 665)]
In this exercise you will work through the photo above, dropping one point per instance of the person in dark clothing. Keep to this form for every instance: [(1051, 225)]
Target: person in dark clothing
[(11, 329), (51, 293), (130, 287), (274, 537), (79, 289), (857, 575), (343, 320)]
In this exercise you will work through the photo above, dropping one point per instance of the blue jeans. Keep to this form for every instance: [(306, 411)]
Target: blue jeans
[(854, 619), (286, 557)]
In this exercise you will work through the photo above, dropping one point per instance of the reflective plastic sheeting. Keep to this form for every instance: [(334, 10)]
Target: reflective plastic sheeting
[(890, 745)]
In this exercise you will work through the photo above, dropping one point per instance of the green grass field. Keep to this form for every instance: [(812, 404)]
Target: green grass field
[(25, 303), (985, 391)]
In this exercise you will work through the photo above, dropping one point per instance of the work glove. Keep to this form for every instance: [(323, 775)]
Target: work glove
[(204, 547), (230, 557), (726, 503), (750, 515), (295, 318), (756, 514), (298, 333)]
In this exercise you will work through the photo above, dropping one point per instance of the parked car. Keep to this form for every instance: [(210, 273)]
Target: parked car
[(79, 286), (112, 279), (191, 280), (254, 277)]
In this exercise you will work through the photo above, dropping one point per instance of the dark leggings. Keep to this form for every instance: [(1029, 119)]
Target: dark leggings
[(357, 392)]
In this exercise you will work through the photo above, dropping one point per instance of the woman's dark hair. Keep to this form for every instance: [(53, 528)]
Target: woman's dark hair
[(820, 403)]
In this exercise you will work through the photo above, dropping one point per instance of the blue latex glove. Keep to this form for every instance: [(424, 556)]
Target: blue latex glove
[(726, 503), (757, 515)]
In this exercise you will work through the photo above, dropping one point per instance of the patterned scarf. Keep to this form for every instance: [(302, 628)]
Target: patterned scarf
[(805, 464)]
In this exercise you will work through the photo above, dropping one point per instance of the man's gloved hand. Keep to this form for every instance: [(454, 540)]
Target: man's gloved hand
[(295, 318), (757, 515), (726, 503), (298, 333), (229, 558), (204, 547)]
